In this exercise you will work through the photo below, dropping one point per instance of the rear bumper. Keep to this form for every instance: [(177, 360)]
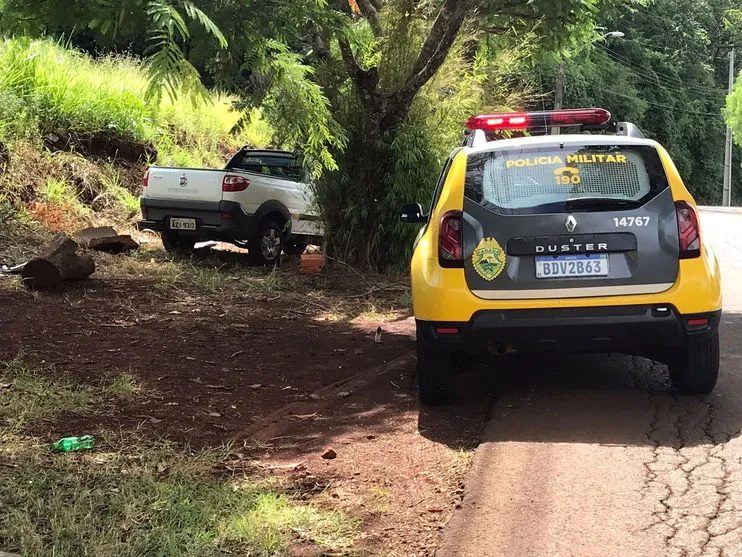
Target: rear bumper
[(219, 220), (637, 329)]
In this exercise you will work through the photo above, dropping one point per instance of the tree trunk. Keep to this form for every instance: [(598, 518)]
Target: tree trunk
[(57, 263)]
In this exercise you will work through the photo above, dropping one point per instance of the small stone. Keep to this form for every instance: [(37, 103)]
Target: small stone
[(315, 396), (343, 394), (329, 453)]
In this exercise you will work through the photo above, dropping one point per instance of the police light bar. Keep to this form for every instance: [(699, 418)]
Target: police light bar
[(531, 120)]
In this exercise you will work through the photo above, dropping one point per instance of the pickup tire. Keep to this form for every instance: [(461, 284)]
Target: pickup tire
[(296, 245), (266, 246), (174, 243)]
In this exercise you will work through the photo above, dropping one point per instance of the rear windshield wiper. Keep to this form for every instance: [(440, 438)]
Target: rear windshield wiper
[(600, 203)]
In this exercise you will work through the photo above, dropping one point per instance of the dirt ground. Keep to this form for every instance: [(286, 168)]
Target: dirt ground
[(276, 375)]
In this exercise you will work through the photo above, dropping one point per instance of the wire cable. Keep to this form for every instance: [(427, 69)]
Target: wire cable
[(659, 76), (673, 108)]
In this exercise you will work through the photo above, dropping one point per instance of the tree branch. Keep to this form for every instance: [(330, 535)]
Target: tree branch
[(369, 11), (364, 80), (351, 64), (319, 44), (437, 45)]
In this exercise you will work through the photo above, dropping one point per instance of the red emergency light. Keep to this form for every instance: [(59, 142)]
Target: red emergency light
[(544, 119)]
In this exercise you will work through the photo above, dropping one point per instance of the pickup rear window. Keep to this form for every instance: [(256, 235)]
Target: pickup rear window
[(574, 178), (287, 168)]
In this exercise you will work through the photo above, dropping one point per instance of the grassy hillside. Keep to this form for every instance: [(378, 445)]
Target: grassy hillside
[(76, 133)]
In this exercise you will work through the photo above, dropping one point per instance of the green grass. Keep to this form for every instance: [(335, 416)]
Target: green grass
[(129, 497), (124, 386), (207, 278), (45, 87), (274, 520), (114, 194), (30, 394)]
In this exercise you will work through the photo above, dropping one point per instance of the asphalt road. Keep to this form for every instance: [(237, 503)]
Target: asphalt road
[(595, 456)]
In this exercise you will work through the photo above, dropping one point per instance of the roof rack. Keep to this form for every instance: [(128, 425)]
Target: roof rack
[(628, 129)]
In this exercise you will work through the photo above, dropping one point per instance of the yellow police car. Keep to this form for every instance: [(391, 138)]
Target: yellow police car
[(585, 241)]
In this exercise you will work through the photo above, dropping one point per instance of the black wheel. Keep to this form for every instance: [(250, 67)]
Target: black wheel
[(435, 375), (695, 370), (296, 245), (174, 243), (265, 247)]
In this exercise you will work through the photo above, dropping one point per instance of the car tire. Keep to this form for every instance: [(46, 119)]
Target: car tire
[(696, 370), (296, 245), (265, 247), (435, 375), (174, 243)]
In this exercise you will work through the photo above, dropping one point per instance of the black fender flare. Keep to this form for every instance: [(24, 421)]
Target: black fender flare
[(272, 206)]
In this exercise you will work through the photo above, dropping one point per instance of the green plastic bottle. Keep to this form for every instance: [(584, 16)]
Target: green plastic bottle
[(74, 443)]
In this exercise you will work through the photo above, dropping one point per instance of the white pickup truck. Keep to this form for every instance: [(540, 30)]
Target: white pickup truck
[(259, 201)]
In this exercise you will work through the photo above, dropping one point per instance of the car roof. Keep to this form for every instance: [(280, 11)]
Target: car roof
[(556, 140)]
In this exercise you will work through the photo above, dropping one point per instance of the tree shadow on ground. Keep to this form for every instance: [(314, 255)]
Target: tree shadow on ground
[(597, 398), (217, 366)]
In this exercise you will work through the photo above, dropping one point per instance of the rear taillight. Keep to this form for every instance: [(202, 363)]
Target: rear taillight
[(145, 180), (450, 240), (688, 230), (233, 182)]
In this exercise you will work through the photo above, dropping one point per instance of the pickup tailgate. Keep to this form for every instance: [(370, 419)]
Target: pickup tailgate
[(184, 184)]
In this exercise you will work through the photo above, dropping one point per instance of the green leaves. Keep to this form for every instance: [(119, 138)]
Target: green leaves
[(299, 110), (733, 111), (197, 15), (168, 67)]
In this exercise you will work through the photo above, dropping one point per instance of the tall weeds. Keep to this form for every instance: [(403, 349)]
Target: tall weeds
[(47, 89)]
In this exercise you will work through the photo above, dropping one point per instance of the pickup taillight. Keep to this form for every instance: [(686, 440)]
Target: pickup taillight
[(145, 180), (232, 182)]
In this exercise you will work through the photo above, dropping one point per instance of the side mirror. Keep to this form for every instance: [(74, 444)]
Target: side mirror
[(412, 213)]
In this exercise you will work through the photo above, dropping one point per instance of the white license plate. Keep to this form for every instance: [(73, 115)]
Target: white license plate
[(183, 224), (568, 266)]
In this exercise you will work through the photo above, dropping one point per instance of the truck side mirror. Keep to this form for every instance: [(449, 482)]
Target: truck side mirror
[(412, 213)]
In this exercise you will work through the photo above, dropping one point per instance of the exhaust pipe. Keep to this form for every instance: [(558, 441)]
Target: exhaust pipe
[(501, 349)]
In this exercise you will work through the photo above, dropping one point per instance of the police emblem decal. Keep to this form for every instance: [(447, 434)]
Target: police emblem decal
[(488, 259)]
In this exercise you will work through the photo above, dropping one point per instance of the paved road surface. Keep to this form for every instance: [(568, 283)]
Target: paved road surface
[(596, 457)]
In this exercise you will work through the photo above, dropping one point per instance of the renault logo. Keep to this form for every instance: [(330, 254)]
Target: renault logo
[(570, 223)]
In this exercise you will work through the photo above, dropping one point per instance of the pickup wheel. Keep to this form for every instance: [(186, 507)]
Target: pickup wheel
[(266, 246), (296, 245), (174, 243)]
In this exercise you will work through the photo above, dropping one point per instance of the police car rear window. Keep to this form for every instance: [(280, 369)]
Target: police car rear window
[(548, 179)]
